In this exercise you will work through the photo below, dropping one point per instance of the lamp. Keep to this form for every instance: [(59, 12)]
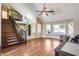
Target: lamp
[(26, 20)]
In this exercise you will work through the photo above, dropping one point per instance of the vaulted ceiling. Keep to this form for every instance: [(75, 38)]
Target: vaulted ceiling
[(62, 11)]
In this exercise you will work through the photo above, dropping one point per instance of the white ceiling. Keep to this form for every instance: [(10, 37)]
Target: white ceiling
[(62, 11)]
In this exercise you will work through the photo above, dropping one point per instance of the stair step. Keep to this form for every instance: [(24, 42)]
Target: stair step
[(13, 40), (11, 35), (8, 32), (12, 43)]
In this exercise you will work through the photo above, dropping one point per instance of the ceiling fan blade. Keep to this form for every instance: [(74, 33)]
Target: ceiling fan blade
[(38, 11), (50, 11)]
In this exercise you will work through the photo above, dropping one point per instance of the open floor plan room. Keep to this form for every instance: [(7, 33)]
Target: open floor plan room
[(39, 29)]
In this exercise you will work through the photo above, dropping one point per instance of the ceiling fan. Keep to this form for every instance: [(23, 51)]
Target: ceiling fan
[(45, 11)]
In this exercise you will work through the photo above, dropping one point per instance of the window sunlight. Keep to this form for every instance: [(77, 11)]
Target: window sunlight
[(48, 28)]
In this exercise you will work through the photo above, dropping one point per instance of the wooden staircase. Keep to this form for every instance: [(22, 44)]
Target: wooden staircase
[(10, 35)]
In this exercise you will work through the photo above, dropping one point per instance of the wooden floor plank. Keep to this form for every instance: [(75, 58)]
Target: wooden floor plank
[(35, 47)]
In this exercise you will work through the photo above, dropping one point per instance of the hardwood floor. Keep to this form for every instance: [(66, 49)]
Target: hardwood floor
[(35, 47)]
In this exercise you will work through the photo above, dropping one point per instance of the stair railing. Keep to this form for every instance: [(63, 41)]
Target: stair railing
[(19, 31)]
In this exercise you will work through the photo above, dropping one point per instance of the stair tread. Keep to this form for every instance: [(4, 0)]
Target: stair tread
[(12, 43), (12, 40), (9, 34), (12, 37)]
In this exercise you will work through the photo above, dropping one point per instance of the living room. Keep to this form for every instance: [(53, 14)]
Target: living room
[(40, 29)]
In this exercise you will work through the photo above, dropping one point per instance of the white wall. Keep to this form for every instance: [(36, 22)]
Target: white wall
[(76, 26), (34, 30)]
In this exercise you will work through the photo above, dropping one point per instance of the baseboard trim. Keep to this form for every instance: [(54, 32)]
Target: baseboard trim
[(35, 38), (42, 38)]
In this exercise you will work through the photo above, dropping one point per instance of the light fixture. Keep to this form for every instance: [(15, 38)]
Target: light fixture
[(26, 20), (45, 11)]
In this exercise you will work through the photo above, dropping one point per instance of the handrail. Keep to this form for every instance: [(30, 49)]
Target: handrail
[(20, 28), (17, 25)]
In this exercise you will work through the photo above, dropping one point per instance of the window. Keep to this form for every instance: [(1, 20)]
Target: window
[(48, 28), (39, 28), (70, 29), (59, 29), (55, 29), (62, 29), (4, 15)]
